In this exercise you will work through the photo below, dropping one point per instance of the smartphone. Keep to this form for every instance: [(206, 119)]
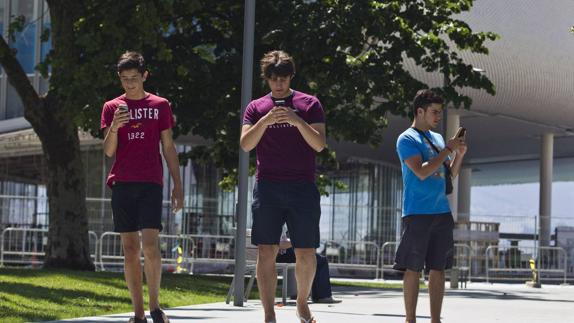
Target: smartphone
[(461, 132), (280, 103), (123, 108)]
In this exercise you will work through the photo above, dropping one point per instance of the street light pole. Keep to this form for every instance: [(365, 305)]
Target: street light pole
[(246, 90)]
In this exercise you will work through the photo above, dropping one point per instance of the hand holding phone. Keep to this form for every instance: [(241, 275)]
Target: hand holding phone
[(460, 136), (123, 108), (121, 117), (461, 132)]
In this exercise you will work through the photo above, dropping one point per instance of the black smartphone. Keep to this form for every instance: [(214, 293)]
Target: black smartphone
[(280, 103), (461, 132)]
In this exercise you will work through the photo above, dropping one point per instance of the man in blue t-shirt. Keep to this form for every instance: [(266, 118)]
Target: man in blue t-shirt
[(427, 240)]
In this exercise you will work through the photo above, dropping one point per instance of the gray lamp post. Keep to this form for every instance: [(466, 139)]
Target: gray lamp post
[(241, 212)]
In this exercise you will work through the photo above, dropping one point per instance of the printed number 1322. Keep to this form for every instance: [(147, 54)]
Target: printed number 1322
[(135, 135)]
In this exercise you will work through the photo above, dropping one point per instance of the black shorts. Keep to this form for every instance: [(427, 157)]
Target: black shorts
[(136, 206), (277, 203), (426, 243)]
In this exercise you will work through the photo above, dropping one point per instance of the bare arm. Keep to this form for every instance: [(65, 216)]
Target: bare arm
[(251, 134), (314, 134), (457, 162), (424, 170), (170, 155), (111, 132), (110, 142)]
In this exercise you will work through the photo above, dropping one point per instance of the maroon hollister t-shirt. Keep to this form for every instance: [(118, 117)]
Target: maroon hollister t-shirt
[(137, 156), (282, 153)]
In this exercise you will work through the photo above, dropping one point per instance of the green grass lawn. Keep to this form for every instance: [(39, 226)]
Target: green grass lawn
[(43, 295)]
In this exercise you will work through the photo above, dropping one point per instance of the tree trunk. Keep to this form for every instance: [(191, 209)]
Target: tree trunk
[(68, 243)]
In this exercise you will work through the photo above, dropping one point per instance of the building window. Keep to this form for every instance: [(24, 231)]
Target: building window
[(26, 39)]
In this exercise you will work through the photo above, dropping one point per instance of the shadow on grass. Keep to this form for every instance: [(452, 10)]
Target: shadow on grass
[(111, 279), (13, 311), (53, 296), (170, 282)]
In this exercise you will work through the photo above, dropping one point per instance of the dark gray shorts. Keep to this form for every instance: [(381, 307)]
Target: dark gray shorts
[(426, 243), (294, 203)]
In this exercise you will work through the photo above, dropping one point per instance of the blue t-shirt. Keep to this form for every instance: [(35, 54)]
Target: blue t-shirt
[(428, 196)]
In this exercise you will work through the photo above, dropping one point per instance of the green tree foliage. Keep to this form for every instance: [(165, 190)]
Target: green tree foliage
[(351, 54), (348, 53)]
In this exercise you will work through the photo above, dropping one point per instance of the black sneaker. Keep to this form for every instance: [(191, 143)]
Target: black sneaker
[(158, 316), (137, 320)]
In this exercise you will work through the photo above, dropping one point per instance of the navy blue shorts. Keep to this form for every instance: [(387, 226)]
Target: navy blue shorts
[(294, 203), (136, 206), (426, 243)]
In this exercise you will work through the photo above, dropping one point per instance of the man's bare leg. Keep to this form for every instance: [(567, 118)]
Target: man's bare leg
[(436, 294), (304, 272), (411, 294), (267, 278), (133, 270), (152, 265)]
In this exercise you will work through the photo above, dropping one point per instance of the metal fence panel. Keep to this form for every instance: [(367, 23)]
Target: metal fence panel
[(513, 263)]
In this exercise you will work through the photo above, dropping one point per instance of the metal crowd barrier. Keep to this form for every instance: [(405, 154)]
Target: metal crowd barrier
[(388, 251), (111, 251), (513, 263), (348, 254), (461, 259), (93, 240), (180, 260), (213, 248), (26, 246)]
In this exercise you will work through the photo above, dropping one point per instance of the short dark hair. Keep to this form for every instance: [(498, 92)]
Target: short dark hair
[(424, 99), (277, 63), (131, 60)]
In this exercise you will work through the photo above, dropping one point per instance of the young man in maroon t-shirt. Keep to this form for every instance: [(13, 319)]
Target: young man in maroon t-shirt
[(134, 124), (287, 128)]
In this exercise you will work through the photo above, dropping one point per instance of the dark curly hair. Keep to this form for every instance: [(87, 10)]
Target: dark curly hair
[(277, 63), (424, 99), (131, 60)]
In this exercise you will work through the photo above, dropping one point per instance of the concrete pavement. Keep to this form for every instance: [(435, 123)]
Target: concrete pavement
[(479, 302)]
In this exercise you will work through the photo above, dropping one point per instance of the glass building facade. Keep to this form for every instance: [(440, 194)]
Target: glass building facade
[(30, 49)]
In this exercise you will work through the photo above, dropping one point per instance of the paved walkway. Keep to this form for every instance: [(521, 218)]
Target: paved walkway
[(478, 303)]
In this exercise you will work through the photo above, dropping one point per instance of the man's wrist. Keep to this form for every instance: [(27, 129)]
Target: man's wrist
[(449, 149), (299, 122)]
